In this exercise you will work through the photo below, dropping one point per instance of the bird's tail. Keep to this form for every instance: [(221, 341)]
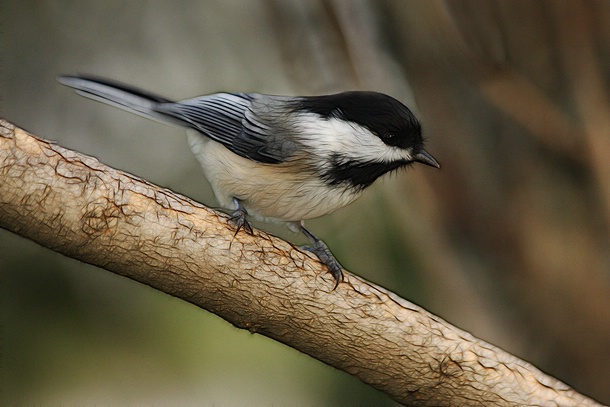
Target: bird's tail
[(120, 95)]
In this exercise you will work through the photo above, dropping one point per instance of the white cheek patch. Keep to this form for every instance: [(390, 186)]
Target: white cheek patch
[(350, 140)]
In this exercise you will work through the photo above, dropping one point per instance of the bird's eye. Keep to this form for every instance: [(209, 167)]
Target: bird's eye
[(390, 139)]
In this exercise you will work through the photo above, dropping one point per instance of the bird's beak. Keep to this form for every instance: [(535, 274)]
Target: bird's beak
[(423, 157)]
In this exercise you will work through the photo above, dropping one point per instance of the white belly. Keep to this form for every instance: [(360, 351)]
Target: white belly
[(267, 191)]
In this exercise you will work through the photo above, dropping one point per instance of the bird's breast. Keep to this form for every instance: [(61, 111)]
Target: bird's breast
[(285, 192)]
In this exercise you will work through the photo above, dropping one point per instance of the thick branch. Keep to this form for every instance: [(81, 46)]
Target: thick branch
[(75, 205)]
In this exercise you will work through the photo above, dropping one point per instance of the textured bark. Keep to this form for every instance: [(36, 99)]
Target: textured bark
[(77, 206)]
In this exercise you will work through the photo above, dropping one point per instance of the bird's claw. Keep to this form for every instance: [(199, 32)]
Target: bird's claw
[(239, 221), (326, 257)]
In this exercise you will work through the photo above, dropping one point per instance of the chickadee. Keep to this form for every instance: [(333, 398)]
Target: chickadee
[(281, 158)]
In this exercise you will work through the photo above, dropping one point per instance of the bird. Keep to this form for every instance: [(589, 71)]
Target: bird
[(282, 159)]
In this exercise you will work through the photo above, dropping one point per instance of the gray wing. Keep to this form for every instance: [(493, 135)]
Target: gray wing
[(250, 125)]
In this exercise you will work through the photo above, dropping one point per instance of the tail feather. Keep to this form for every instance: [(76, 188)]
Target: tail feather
[(119, 95)]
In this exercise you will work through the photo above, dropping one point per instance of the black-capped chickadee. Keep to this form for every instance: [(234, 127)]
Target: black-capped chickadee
[(283, 158)]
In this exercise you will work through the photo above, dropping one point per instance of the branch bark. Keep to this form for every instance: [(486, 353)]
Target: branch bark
[(73, 204)]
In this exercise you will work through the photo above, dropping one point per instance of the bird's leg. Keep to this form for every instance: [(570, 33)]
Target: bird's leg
[(238, 218), (321, 250)]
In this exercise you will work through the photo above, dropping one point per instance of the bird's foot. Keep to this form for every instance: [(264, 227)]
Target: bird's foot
[(238, 219), (321, 250)]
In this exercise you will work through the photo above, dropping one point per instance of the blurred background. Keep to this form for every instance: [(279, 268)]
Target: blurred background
[(509, 240)]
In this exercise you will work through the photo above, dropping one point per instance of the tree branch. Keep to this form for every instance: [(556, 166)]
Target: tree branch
[(75, 205)]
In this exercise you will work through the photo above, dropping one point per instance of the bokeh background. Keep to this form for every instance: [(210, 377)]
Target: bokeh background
[(509, 240)]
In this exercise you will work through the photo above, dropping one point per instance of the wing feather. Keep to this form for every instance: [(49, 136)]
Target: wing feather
[(232, 120)]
